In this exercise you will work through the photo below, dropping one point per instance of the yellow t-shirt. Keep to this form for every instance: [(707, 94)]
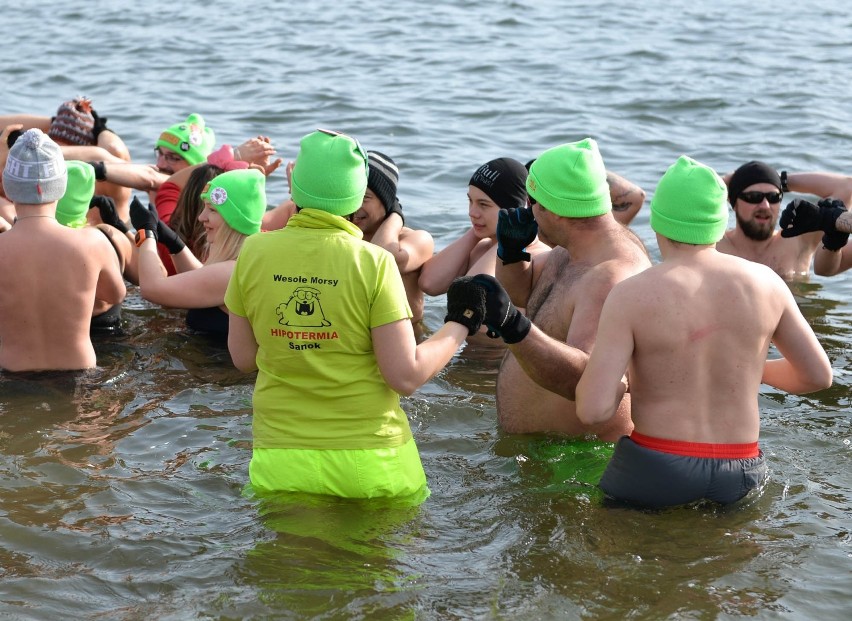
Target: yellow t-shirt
[(312, 293)]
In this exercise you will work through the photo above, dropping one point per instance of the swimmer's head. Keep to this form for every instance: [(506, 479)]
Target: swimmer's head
[(192, 140), (330, 173), (689, 204), (504, 181), (570, 180), (382, 178), (240, 198), (74, 123), (750, 174), (72, 208), (35, 171)]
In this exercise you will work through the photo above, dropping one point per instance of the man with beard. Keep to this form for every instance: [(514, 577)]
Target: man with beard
[(755, 191)]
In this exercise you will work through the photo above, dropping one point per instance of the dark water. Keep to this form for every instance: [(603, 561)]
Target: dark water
[(123, 488)]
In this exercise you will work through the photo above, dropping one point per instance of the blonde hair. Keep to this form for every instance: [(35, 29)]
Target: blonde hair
[(227, 247)]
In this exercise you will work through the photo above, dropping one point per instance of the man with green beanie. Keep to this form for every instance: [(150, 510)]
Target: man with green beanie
[(693, 333), (563, 290), (322, 315)]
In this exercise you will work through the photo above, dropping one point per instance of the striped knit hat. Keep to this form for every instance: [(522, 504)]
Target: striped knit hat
[(382, 179), (73, 123)]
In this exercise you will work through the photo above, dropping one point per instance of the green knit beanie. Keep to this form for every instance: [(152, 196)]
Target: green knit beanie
[(192, 139), (240, 197), (570, 180), (689, 204), (72, 208), (330, 173)]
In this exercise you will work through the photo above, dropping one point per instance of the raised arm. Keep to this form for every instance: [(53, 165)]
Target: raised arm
[(199, 288), (804, 366), (143, 177), (410, 248), (450, 263), (404, 364), (627, 198), (822, 184)]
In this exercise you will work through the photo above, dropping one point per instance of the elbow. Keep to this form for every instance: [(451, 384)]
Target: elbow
[(403, 387), (428, 285)]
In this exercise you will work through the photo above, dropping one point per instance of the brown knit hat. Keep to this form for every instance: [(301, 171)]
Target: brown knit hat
[(73, 123)]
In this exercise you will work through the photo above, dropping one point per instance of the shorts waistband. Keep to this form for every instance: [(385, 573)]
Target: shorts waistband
[(697, 449)]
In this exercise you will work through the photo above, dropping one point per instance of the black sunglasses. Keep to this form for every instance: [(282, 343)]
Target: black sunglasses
[(756, 197)]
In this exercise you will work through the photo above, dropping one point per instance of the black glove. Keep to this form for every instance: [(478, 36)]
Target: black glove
[(466, 304), (106, 207), (100, 170), (167, 237), (143, 219), (100, 125), (800, 216), (395, 208), (516, 229), (501, 316)]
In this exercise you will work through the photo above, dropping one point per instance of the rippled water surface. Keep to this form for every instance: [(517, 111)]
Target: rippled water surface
[(123, 488)]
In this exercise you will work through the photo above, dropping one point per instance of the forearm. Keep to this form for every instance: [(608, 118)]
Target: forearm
[(822, 184), (551, 364), (151, 270), (781, 374), (516, 279), (830, 263), (627, 197), (387, 237), (137, 176), (434, 353), (185, 261), (451, 262)]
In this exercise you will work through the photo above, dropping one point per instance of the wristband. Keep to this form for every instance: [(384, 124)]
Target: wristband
[(144, 234), (784, 187)]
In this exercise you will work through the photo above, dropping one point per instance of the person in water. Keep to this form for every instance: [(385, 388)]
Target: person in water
[(71, 211), (52, 275), (234, 203), (382, 223), (497, 184), (563, 290), (323, 317), (694, 344)]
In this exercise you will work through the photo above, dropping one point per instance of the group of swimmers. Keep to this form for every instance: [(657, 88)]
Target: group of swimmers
[(320, 294)]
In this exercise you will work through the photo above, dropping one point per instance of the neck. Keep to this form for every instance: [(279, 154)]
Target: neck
[(35, 215)]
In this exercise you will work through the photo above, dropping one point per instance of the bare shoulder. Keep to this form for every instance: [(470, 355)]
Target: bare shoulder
[(418, 238)]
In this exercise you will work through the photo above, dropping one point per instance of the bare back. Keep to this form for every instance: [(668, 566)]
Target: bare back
[(701, 330), (50, 279), (565, 304)]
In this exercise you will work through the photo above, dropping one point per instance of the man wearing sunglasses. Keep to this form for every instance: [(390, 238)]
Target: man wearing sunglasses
[(755, 192)]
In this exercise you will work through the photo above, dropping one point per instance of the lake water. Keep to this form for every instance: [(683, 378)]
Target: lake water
[(123, 491)]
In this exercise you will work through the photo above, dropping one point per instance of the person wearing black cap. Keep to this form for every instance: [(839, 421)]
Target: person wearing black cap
[(382, 223), (755, 193), (496, 185)]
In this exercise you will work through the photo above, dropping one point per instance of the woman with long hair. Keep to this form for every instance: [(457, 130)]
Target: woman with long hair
[(234, 203)]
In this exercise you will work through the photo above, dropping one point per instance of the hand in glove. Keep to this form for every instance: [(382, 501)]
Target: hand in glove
[(148, 219), (501, 316), (516, 229), (106, 208), (800, 216), (466, 304)]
